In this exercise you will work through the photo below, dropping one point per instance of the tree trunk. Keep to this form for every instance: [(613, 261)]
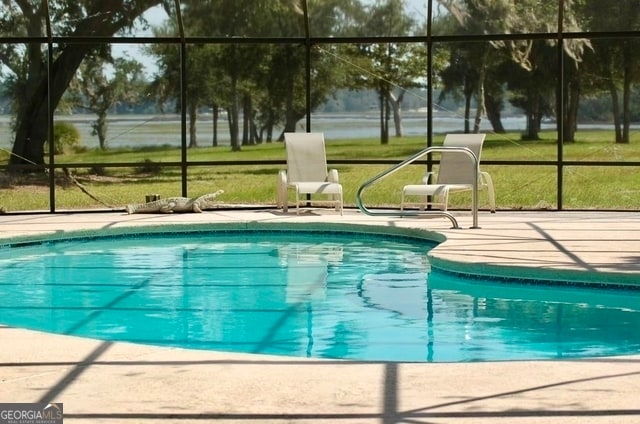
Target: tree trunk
[(247, 113), (467, 113), (531, 132), (290, 119), (193, 119), (480, 108), (396, 105), (479, 111), (256, 136), (492, 106), (626, 93), (100, 128), (533, 115), (572, 102), (615, 107), (269, 127), (384, 129), (215, 114), (233, 116)]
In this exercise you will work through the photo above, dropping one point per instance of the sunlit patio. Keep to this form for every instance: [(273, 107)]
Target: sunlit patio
[(117, 382)]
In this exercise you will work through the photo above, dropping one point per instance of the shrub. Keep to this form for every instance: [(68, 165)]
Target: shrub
[(149, 167), (65, 137), (98, 170)]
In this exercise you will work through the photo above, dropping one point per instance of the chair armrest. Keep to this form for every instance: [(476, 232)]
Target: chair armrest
[(282, 177), (333, 176), (428, 177), (486, 181)]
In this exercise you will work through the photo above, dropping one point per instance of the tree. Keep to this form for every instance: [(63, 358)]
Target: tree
[(472, 65), (29, 69), (202, 76), (615, 62), (288, 72), (98, 90), (259, 85), (389, 68), (536, 84), (221, 75), (461, 76), (532, 89)]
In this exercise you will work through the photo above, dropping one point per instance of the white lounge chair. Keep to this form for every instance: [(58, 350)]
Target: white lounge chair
[(307, 171), (455, 174)]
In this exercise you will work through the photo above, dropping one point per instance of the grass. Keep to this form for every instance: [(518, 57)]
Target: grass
[(517, 186)]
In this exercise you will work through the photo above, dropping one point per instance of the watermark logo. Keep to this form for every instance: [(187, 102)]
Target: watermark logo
[(30, 413)]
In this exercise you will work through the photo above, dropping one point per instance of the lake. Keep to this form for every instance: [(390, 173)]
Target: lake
[(158, 130)]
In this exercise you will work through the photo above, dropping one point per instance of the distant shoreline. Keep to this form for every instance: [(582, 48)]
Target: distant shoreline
[(156, 130)]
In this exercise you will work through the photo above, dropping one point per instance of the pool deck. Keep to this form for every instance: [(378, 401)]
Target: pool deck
[(103, 382)]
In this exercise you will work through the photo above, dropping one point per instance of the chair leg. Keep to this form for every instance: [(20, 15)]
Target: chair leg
[(424, 203), (490, 190), (279, 198), (285, 200), (445, 199), (282, 191)]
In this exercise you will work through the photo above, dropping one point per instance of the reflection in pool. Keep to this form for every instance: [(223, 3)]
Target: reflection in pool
[(314, 294)]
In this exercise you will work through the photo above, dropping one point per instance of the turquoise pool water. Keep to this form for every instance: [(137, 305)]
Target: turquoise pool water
[(310, 294)]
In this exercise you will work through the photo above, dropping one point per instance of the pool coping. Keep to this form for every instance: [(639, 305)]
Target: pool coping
[(521, 275), (441, 258), (22, 240)]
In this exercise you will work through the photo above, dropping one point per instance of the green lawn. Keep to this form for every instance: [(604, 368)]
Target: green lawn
[(517, 186)]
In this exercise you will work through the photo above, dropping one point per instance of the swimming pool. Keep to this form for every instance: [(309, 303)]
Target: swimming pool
[(326, 294)]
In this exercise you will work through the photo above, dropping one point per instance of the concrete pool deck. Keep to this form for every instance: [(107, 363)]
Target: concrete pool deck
[(103, 382)]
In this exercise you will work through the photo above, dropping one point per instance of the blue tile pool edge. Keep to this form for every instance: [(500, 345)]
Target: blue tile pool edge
[(129, 231), (543, 276)]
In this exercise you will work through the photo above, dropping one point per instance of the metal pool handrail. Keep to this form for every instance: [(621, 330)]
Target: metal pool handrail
[(408, 161)]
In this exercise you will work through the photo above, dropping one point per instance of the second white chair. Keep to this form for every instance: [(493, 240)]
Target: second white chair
[(455, 173)]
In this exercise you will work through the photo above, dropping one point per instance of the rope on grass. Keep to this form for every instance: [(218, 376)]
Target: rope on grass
[(74, 181)]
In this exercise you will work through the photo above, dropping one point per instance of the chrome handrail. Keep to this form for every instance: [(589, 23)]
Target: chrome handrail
[(408, 161)]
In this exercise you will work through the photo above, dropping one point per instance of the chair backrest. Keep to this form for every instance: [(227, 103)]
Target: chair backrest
[(306, 157), (455, 167)]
